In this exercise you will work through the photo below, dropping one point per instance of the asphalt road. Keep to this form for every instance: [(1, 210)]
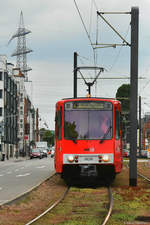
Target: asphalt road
[(18, 177)]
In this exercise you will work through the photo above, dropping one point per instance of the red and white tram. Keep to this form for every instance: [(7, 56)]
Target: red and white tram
[(87, 134)]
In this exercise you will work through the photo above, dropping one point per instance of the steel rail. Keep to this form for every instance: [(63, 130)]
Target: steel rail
[(141, 175), (110, 206), (50, 208)]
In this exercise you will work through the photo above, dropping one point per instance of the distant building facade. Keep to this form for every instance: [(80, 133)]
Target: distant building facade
[(8, 111), (17, 114)]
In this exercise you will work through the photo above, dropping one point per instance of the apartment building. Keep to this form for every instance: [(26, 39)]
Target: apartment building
[(17, 114), (8, 111), (26, 116), (29, 124)]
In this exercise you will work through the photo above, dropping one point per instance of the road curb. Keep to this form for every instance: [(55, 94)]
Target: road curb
[(19, 197)]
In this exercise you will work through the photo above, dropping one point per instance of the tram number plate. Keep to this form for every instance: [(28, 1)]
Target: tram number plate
[(88, 159)]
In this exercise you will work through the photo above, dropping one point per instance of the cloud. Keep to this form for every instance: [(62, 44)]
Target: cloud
[(57, 32)]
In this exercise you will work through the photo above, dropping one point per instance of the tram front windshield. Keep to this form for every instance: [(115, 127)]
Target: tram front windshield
[(88, 121)]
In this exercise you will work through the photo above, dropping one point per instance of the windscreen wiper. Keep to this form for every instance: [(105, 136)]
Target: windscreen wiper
[(105, 135)]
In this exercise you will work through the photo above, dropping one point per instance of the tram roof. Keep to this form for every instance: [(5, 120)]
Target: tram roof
[(86, 98), (90, 98)]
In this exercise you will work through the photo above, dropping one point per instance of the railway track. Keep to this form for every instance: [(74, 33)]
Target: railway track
[(110, 206), (141, 175), (144, 177), (64, 195), (141, 172), (50, 208)]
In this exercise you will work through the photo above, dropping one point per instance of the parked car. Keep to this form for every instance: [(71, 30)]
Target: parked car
[(148, 154), (44, 152), (125, 153), (52, 152), (35, 153), (144, 153)]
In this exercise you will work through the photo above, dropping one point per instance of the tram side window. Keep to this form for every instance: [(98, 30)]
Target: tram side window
[(60, 124), (117, 132)]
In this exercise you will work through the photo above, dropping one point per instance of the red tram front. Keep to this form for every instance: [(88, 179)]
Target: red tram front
[(87, 134)]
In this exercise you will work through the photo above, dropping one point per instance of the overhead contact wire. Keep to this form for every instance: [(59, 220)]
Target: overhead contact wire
[(117, 56), (84, 27), (83, 23), (90, 24)]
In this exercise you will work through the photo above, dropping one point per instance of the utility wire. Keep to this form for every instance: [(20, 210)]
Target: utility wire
[(97, 31), (144, 87), (83, 23), (117, 56), (83, 57), (95, 5), (82, 62), (82, 77), (90, 24), (85, 30)]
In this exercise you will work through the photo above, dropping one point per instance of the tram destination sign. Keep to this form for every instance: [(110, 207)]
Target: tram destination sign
[(90, 105)]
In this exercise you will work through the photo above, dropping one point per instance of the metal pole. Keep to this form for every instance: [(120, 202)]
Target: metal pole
[(140, 125), (75, 74), (133, 96), (89, 89)]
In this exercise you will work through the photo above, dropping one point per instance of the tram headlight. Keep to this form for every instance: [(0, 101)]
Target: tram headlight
[(105, 158), (70, 158)]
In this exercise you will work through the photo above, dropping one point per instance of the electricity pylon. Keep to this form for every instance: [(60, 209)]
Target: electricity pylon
[(21, 51)]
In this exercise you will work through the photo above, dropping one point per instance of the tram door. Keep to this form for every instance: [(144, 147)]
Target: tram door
[(58, 133)]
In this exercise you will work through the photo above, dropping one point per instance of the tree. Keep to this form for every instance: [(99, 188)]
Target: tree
[(123, 95), (47, 135)]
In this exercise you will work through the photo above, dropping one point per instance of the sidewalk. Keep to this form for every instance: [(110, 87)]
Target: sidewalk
[(14, 159)]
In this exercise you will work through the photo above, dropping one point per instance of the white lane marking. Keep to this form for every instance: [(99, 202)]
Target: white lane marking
[(16, 170), (9, 172), (1, 175), (22, 168), (40, 167), (1, 188), (23, 175)]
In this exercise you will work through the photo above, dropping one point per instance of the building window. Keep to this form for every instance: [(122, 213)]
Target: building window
[(1, 91), (1, 75), (0, 111)]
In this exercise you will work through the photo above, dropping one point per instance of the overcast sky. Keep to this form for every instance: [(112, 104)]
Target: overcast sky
[(57, 32)]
